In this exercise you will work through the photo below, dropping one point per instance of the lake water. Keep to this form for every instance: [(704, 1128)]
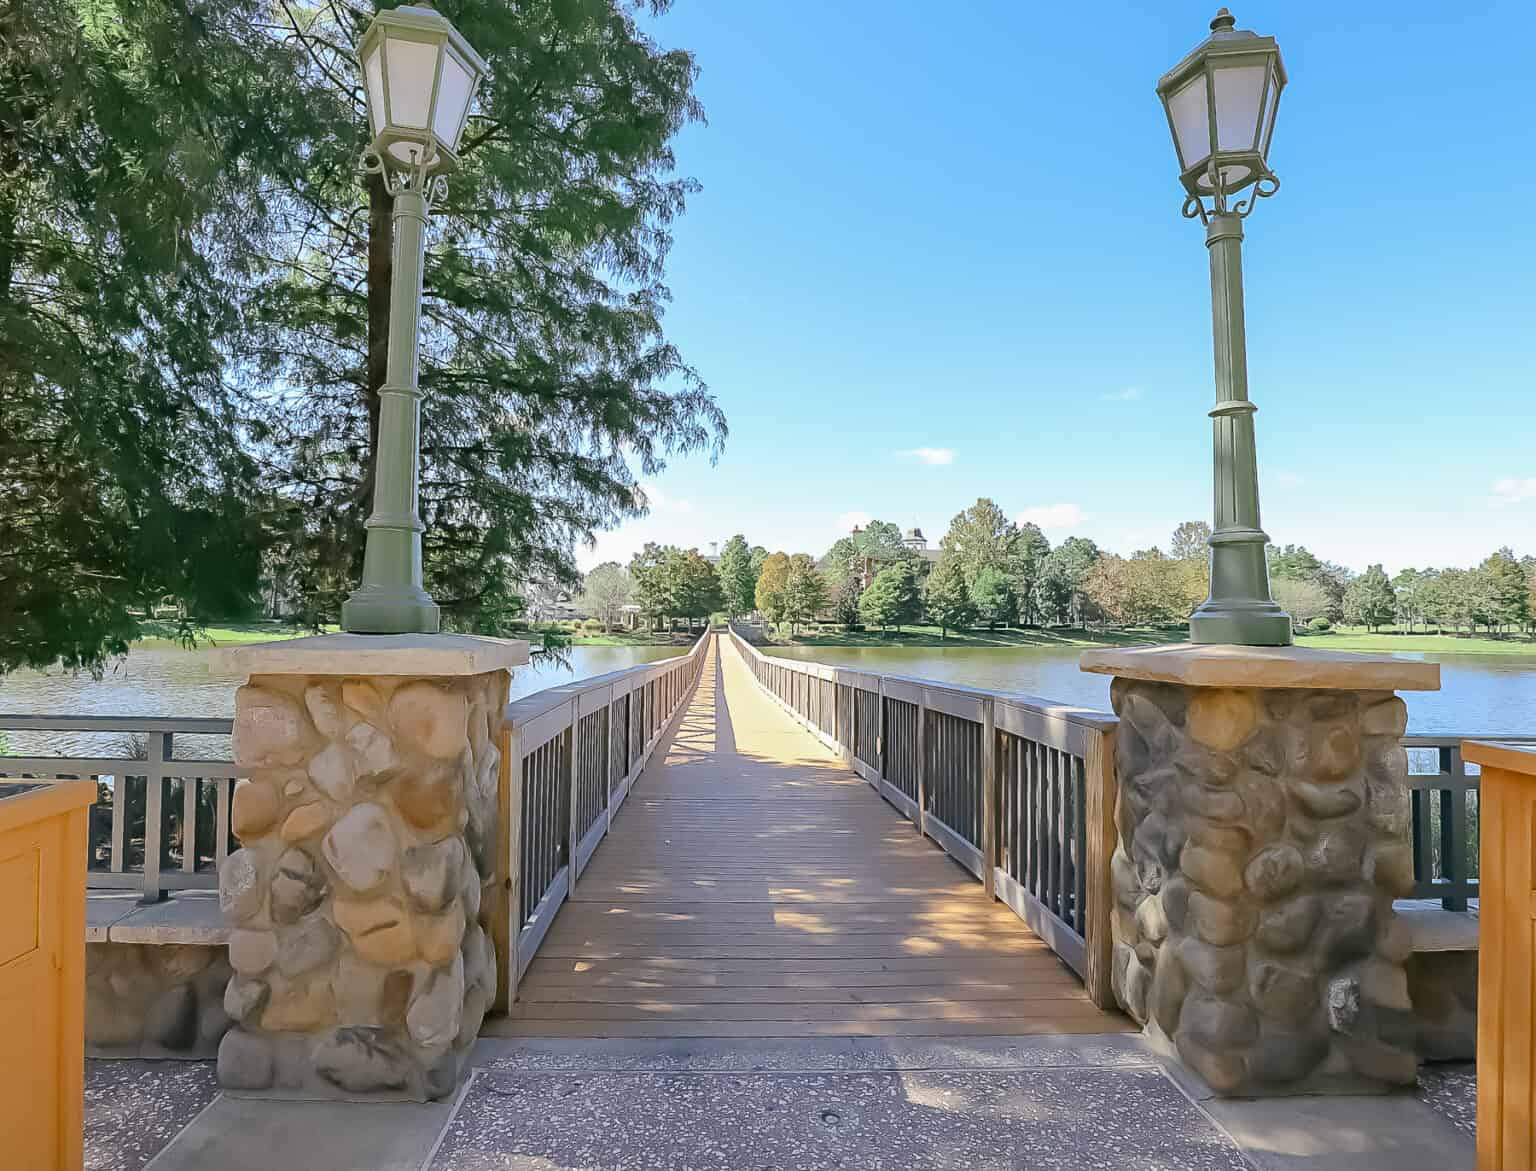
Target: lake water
[(1479, 694), (171, 682)]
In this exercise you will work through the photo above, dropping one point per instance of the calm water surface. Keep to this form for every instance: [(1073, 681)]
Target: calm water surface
[(1479, 694), (171, 682)]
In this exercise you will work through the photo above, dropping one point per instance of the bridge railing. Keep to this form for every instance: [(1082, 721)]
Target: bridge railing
[(570, 756), (1446, 822), (161, 822), (1018, 789)]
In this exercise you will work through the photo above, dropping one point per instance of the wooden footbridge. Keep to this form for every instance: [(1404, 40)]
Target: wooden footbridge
[(705, 853)]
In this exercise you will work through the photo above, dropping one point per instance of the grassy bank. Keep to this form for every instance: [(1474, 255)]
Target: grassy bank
[(1388, 642), (160, 635), (930, 636), (1341, 639)]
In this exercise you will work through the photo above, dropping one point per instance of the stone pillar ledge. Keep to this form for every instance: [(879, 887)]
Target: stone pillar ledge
[(1262, 816), (1191, 665), (373, 654), (361, 906)]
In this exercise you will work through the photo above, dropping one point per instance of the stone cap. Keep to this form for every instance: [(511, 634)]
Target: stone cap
[(187, 917), (374, 654), (1512, 758), (1195, 665)]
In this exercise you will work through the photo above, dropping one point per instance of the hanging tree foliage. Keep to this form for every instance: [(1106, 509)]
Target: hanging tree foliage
[(545, 370)]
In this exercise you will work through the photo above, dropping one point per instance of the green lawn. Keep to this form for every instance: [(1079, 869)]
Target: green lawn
[(1357, 639), (159, 634), (929, 636)]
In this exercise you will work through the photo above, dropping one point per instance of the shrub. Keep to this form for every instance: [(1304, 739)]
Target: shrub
[(592, 626), (1319, 626)]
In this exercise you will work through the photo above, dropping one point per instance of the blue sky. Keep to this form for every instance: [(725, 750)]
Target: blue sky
[(938, 254)]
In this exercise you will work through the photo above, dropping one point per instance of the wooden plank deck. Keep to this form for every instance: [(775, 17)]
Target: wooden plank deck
[(753, 886)]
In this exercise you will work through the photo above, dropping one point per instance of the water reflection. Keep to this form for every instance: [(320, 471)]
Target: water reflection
[(170, 682), (1479, 694)]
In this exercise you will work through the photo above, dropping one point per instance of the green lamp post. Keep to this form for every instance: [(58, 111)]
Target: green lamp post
[(419, 75), (1220, 101)]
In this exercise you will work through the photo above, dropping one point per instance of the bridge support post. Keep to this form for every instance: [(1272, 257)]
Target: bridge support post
[(363, 901), (1262, 825)]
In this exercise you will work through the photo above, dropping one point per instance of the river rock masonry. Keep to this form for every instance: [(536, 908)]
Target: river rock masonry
[(1262, 839), (369, 829)]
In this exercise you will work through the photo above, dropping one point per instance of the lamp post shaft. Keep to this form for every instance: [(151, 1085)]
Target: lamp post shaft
[(391, 599), (1239, 609)]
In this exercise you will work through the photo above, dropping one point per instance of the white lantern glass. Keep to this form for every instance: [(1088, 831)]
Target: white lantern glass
[(1191, 122), (412, 76), (453, 94), (1238, 90), (373, 72), (1267, 122)]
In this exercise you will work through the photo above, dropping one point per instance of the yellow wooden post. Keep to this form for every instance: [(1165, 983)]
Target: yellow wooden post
[(42, 966), (1506, 1034)]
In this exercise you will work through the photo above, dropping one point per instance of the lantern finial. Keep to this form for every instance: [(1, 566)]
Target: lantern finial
[(1225, 22)]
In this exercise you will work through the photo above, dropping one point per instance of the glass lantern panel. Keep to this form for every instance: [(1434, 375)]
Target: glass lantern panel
[(1238, 90), (1191, 123), (1267, 125), (412, 72), (453, 93), (373, 70), (1233, 177)]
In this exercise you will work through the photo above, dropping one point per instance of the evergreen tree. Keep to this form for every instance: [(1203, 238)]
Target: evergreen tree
[(737, 581), (1369, 600), (135, 140), (981, 537), (992, 595), (1029, 553), (947, 600), (805, 591), (548, 381), (892, 599), (652, 584), (1507, 588), (693, 585), (1063, 575)]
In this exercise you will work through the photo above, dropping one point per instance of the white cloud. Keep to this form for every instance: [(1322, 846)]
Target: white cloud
[(1129, 395), (1512, 490), (932, 456), (847, 520), (657, 501), (1053, 516)]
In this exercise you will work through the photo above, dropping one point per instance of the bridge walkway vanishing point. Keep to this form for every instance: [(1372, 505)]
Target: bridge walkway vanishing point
[(755, 887)]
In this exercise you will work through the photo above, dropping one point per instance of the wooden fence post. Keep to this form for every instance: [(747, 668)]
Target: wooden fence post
[(506, 919), (1099, 821), (922, 767), (989, 799), (573, 765)]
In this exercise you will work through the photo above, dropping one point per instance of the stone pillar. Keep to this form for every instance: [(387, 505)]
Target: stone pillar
[(369, 827), (1263, 835)]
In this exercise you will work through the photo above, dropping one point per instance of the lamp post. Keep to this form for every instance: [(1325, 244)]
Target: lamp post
[(419, 75), (1220, 101)]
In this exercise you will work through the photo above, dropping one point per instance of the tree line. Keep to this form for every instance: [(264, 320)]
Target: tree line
[(994, 573)]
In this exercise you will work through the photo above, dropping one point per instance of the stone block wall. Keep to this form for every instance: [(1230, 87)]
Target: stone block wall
[(155, 1000), (1263, 835), (369, 828)]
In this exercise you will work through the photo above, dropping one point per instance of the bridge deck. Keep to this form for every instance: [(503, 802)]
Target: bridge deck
[(753, 886)]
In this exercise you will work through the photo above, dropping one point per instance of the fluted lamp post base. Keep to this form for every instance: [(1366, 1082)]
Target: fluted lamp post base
[(379, 609)]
